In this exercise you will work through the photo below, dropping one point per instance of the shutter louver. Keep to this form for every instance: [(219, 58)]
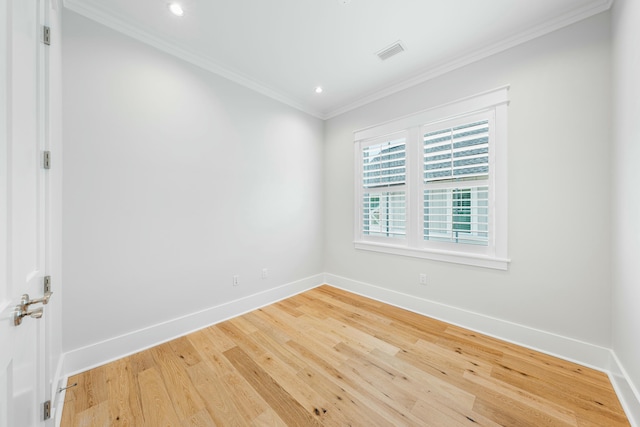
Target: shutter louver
[(457, 153), (384, 166), (459, 215), (433, 184), (384, 214)]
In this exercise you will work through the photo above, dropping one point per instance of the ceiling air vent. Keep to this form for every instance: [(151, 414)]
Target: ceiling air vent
[(390, 51)]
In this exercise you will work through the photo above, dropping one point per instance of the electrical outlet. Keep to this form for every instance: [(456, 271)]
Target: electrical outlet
[(265, 273), (422, 279), (236, 280)]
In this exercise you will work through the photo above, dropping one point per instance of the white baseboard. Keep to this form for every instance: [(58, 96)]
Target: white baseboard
[(566, 348), (586, 354), (597, 357), (628, 394), (82, 359), (57, 398)]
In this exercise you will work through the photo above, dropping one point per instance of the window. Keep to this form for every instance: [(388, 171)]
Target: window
[(433, 185), (457, 152), (384, 169)]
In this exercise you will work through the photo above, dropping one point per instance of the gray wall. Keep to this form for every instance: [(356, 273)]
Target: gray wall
[(559, 185), (626, 196), (175, 180)]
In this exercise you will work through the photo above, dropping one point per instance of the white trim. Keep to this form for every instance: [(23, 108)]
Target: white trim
[(583, 353), (500, 188), (453, 257), (91, 356), (119, 24), (460, 61), (570, 349), (593, 356), (57, 398), (627, 393), (56, 412), (459, 107), (490, 105)]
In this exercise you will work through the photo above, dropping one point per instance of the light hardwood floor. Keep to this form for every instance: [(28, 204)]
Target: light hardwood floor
[(331, 358)]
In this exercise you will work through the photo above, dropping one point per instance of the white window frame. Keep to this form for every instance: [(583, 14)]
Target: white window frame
[(464, 119), (395, 188), (493, 104)]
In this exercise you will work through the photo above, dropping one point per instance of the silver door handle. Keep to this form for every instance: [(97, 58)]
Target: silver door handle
[(21, 311), (19, 314), (44, 300)]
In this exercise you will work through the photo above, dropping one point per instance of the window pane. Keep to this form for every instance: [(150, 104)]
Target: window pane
[(383, 165), (457, 215), (384, 214), (460, 152), (461, 210)]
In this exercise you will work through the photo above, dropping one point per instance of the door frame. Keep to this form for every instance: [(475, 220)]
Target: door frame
[(48, 109)]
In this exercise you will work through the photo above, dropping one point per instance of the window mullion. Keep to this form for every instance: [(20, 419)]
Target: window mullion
[(358, 191), (414, 190)]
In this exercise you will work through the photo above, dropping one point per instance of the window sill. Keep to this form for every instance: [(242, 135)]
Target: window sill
[(453, 257)]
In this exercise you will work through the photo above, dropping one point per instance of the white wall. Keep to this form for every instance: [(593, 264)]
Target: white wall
[(559, 185), (174, 181), (626, 196), (55, 351)]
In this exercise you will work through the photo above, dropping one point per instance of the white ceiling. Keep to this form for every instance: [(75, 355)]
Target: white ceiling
[(285, 48)]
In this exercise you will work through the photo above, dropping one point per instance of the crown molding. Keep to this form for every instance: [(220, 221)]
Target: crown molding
[(454, 63), (120, 25)]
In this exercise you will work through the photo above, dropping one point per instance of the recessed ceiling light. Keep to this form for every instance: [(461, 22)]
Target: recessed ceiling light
[(176, 9), (318, 89)]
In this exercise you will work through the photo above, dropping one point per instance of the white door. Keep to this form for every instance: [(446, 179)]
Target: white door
[(23, 212)]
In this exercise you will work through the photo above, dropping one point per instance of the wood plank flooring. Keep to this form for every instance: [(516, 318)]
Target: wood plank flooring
[(327, 357)]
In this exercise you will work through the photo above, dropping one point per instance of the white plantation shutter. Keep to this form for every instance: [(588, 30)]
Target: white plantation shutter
[(383, 164), (383, 206), (459, 154), (384, 214), (457, 215)]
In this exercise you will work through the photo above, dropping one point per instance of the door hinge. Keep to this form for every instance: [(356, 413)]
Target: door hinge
[(46, 410), (46, 35), (47, 284), (46, 160)]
